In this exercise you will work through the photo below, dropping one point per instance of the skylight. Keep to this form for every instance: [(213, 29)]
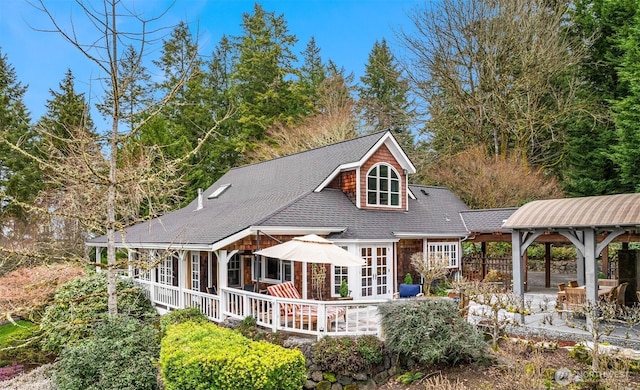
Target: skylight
[(219, 191)]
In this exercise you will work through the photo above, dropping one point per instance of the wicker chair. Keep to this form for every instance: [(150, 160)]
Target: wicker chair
[(575, 298), (622, 288)]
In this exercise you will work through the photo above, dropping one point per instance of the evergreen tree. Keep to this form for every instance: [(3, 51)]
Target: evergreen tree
[(137, 91), (627, 116), (67, 114), (20, 177), (591, 167), (383, 96), (263, 78), (312, 73)]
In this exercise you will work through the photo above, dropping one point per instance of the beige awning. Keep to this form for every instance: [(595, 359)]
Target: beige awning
[(594, 211)]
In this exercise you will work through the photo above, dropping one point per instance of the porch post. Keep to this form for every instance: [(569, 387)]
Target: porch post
[(210, 269), (130, 271), (516, 258), (304, 280), (98, 257), (580, 259), (223, 278), (182, 277), (153, 274), (590, 265)]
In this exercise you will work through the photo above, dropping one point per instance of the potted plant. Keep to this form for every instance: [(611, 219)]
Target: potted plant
[(344, 290), (408, 289), (408, 279)]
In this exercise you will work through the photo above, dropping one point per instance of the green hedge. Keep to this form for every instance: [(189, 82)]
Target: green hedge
[(205, 356)]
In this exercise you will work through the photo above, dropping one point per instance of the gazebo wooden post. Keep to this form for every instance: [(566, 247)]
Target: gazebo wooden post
[(547, 264), (605, 262), (483, 259)]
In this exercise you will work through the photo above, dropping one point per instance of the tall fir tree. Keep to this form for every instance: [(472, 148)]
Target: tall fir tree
[(67, 114), (20, 177), (312, 73), (263, 78), (591, 167), (627, 116), (384, 96)]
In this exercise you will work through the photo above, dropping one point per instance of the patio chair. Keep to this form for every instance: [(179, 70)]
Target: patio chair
[(302, 313), (575, 298), (622, 288), (573, 283), (212, 290), (560, 296)]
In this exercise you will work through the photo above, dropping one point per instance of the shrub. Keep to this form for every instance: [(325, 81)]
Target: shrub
[(249, 329), (120, 354), (408, 279), (82, 303), (431, 331), (180, 316), (26, 291), (347, 355), (11, 371), (22, 346), (205, 356)]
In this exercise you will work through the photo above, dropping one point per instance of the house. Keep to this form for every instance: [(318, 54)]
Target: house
[(356, 193)]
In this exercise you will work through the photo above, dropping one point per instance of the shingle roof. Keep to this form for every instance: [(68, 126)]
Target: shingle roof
[(279, 192), (434, 214), (256, 191), (592, 211), (488, 220)]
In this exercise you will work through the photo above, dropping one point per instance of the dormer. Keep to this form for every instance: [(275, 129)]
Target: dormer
[(379, 180)]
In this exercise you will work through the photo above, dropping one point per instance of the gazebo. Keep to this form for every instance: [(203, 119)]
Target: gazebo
[(590, 223)]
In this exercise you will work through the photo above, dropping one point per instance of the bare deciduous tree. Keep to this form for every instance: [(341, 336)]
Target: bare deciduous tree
[(334, 122), (103, 181), (484, 181), (432, 267), (495, 72)]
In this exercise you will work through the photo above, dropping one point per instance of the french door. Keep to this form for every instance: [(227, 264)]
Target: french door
[(376, 273)]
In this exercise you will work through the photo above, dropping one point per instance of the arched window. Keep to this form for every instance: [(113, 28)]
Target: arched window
[(383, 186)]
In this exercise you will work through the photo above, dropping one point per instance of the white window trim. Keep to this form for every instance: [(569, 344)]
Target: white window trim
[(195, 271), (263, 270), (165, 270), (366, 189), (448, 248), (336, 287)]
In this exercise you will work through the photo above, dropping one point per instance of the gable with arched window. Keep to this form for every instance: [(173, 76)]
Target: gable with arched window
[(383, 186)]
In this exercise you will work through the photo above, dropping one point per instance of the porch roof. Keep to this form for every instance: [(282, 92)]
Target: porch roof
[(621, 210), (434, 212)]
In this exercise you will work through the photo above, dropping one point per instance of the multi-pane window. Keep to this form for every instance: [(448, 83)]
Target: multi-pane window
[(383, 186), (165, 269), (233, 271), (446, 252), (272, 270), (195, 271), (339, 274)]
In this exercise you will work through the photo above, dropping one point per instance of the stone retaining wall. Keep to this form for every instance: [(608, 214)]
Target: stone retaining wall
[(557, 266), (316, 379)]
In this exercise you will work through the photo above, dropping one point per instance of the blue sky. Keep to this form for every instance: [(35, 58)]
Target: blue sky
[(345, 31)]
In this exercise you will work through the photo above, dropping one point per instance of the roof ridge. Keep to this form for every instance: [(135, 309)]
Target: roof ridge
[(360, 137)]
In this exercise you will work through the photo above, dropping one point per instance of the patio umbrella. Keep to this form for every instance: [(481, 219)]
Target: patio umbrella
[(312, 249)]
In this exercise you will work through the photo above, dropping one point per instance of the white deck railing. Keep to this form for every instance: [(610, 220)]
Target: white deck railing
[(311, 317)]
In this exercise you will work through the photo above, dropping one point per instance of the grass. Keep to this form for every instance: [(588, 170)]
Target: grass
[(9, 328)]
